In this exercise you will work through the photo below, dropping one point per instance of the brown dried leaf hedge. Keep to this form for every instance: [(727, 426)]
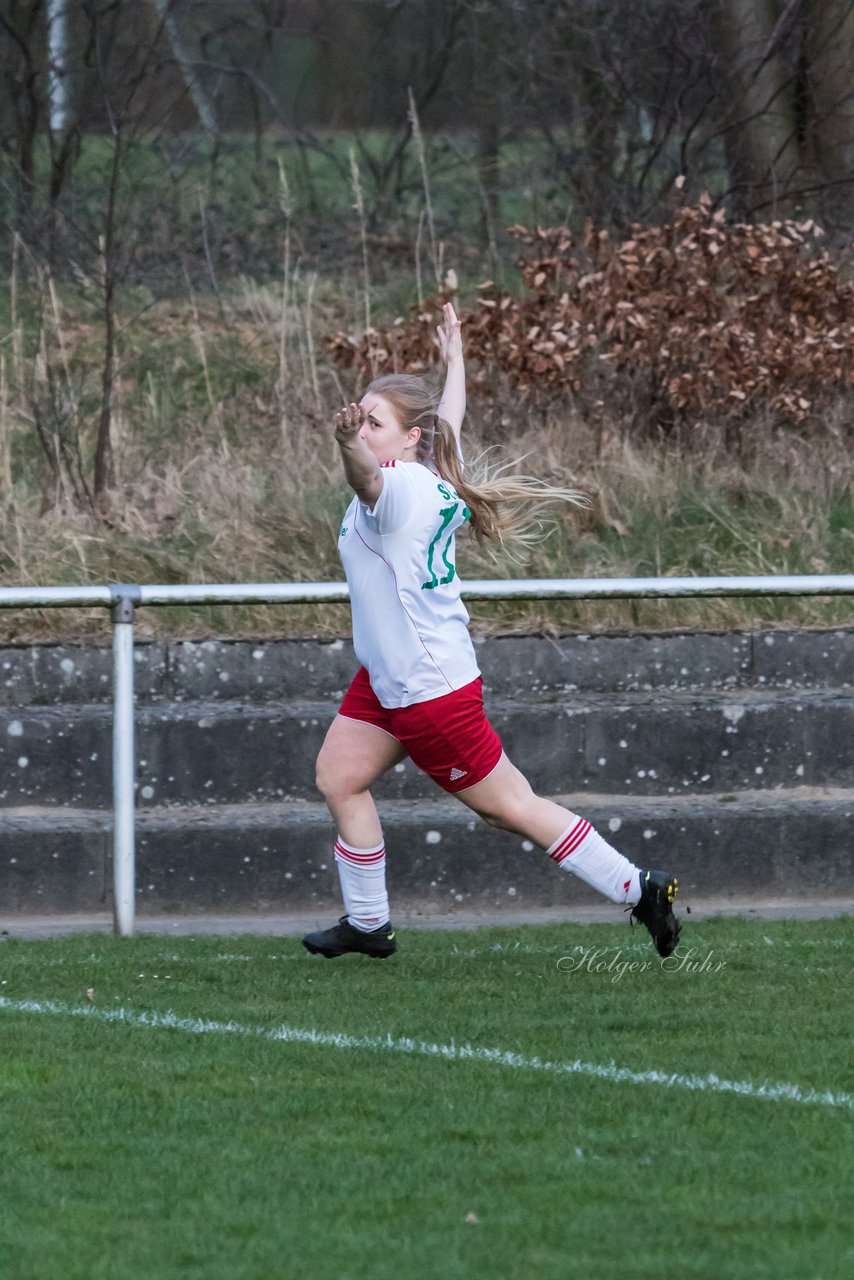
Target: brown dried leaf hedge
[(709, 318)]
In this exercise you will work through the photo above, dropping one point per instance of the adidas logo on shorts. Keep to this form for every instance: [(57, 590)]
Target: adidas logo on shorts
[(456, 774)]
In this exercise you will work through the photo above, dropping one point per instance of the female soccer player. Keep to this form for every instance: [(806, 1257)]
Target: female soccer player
[(418, 692)]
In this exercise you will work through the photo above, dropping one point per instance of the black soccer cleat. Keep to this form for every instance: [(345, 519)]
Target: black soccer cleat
[(342, 937), (654, 910)]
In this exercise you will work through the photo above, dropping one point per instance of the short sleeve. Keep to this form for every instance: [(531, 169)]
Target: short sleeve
[(396, 504)]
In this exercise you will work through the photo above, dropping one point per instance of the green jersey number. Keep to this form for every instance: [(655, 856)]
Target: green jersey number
[(446, 516)]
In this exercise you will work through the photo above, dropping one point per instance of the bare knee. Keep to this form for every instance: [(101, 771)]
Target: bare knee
[(509, 812), (504, 821), (333, 779), (348, 765)]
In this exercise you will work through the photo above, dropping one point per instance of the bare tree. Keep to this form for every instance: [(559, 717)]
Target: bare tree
[(829, 93), (761, 128), (167, 10), (789, 124), (56, 18), (751, 99), (117, 52), (22, 60)]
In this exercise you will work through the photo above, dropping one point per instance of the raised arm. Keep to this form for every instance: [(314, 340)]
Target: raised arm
[(360, 466), (452, 406)]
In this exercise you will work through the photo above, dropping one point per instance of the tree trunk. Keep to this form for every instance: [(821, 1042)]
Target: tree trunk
[(201, 101), (59, 106), (829, 40), (762, 146), (487, 121)]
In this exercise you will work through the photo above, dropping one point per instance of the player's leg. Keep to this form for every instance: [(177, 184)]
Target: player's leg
[(451, 739), (505, 799), (354, 754)]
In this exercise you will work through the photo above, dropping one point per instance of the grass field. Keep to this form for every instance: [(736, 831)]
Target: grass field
[(536, 1102)]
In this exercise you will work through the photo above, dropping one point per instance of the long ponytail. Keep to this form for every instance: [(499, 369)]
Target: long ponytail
[(502, 505)]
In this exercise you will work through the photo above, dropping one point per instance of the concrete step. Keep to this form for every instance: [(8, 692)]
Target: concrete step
[(631, 743), (213, 670), (277, 857)]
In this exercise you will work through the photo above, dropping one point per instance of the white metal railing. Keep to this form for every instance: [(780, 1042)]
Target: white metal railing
[(124, 599)]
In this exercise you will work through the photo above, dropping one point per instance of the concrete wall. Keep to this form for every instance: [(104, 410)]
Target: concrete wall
[(729, 757)]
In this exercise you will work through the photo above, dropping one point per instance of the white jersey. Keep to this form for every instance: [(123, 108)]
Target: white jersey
[(409, 623)]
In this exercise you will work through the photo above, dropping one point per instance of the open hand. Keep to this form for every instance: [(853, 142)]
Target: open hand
[(348, 423), (450, 337)]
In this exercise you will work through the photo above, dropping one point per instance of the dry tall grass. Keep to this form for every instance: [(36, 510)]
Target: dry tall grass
[(227, 471)]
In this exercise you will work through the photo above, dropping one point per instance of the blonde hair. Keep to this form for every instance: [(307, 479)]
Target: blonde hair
[(502, 506)]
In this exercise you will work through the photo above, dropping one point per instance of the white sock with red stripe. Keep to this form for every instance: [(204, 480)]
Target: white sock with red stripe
[(362, 876), (582, 851)]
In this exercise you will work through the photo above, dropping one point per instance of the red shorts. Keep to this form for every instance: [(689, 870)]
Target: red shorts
[(449, 738)]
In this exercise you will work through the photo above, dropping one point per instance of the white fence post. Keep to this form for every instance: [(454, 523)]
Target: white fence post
[(124, 853)]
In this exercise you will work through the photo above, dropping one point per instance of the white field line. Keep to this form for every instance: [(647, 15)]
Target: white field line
[(609, 1072)]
